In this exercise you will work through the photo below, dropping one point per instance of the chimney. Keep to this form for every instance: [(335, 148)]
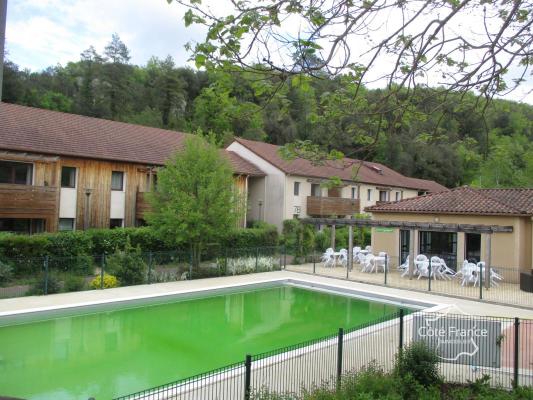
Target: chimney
[(3, 14)]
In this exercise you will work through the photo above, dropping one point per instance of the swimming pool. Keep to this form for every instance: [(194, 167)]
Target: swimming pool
[(127, 347)]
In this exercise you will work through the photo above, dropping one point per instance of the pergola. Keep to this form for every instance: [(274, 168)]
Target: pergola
[(413, 227)]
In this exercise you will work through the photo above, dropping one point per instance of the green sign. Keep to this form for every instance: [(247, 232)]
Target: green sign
[(384, 229)]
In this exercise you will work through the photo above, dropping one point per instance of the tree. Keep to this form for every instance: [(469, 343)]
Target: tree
[(195, 202), (406, 46), (166, 88), (117, 73)]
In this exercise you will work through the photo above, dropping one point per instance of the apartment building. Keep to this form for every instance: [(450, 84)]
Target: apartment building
[(298, 188), (62, 171)]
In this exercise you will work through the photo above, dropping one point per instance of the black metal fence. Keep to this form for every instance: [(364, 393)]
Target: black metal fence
[(52, 274), (497, 284), (469, 348)]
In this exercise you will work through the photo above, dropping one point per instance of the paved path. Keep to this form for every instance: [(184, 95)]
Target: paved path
[(34, 303)]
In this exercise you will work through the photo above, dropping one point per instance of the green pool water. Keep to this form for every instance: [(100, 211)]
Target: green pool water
[(111, 353)]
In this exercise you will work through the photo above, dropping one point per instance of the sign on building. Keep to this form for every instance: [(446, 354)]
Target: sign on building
[(460, 340)]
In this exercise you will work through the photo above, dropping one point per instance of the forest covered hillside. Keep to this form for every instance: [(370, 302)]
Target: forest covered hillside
[(454, 143)]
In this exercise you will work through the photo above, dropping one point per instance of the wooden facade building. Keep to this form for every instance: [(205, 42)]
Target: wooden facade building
[(62, 171)]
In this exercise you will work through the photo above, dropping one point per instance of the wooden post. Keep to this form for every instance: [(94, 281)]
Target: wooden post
[(412, 235), (333, 237)]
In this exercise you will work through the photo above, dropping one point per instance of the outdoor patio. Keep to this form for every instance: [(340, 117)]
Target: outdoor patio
[(505, 293)]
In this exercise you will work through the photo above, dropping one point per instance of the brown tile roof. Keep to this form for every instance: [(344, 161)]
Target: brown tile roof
[(465, 200), (367, 172), (242, 166), (41, 131)]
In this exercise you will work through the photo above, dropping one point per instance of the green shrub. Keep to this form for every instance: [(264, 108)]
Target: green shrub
[(67, 244), (74, 283), (25, 253), (298, 238), (419, 362), (264, 236), (46, 283), (106, 241), (127, 265), (6, 272), (110, 281), (372, 381)]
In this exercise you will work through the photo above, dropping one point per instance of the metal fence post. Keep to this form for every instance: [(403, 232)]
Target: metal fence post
[(314, 260), (339, 356), (247, 377), (225, 260), (481, 282), (256, 258), (516, 350), (429, 276), (400, 347), (102, 271), (386, 267), (45, 289), (284, 257), (150, 258), (190, 265)]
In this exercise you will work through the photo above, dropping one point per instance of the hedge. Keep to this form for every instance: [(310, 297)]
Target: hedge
[(73, 250)]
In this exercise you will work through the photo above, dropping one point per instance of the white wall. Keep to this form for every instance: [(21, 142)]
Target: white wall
[(118, 202), (274, 192), (67, 202), (256, 193)]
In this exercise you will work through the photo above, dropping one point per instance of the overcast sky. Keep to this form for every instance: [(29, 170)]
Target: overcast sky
[(41, 33)]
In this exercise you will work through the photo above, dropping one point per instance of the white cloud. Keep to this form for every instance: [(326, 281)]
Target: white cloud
[(46, 32)]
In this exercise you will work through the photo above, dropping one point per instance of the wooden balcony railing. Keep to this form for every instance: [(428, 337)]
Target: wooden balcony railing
[(142, 205), (328, 206), (26, 201)]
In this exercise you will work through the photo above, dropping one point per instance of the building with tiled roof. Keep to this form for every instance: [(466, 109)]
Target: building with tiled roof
[(297, 187), (66, 171), (511, 208)]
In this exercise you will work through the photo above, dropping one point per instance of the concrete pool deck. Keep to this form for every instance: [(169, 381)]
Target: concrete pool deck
[(76, 299)]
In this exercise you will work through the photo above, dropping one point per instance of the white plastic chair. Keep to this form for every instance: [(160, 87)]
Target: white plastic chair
[(328, 258), (356, 250), (422, 266), (368, 249), (436, 265), (446, 271), (369, 264), (468, 273), (494, 276), (380, 261), (404, 268), (343, 257)]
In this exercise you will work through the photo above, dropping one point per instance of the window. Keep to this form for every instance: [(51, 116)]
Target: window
[(369, 194), (296, 188), (117, 180), (354, 193), (316, 190), (68, 177), (22, 225), (115, 223), (66, 224), (397, 196), (383, 195), (16, 173)]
